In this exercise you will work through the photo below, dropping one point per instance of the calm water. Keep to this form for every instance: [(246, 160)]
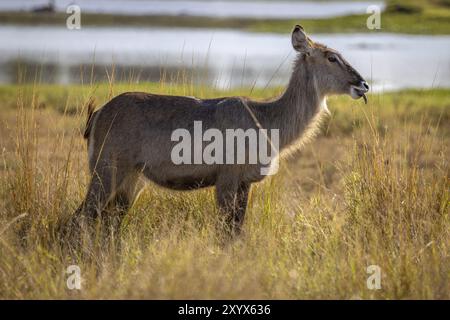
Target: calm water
[(253, 9), (220, 57)]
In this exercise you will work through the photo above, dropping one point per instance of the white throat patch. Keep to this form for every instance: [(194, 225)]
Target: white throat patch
[(324, 106)]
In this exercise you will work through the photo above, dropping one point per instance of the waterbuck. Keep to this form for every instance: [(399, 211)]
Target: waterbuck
[(131, 135)]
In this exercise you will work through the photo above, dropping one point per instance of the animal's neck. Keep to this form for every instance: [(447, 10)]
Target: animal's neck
[(298, 107)]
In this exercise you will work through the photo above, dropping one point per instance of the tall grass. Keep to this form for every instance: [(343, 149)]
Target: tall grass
[(372, 189)]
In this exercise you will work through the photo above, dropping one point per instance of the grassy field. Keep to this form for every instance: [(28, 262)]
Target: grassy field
[(400, 16), (371, 189)]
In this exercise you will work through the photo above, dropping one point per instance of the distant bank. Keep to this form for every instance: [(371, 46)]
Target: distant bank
[(409, 17)]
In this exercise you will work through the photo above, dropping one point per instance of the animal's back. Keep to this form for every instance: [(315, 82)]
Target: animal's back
[(140, 112), (135, 130)]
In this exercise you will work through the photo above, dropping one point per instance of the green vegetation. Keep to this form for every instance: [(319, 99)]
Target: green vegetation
[(372, 189), (411, 17)]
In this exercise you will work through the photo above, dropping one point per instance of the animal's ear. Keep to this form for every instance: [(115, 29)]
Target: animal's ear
[(300, 40)]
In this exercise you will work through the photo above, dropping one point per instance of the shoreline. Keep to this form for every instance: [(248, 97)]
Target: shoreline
[(416, 23)]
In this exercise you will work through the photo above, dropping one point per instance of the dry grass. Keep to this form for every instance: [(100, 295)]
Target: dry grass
[(373, 188)]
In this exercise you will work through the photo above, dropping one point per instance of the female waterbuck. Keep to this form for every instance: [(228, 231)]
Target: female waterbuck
[(132, 134)]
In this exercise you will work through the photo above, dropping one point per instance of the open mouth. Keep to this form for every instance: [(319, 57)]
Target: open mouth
[(359, 91)]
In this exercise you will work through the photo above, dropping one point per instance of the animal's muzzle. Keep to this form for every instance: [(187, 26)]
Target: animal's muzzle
[(359, 90)]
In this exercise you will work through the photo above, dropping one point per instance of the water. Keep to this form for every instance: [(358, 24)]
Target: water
[(223, 58), (237, 9)]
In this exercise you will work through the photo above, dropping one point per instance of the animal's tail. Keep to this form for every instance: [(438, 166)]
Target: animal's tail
[(90, 118)]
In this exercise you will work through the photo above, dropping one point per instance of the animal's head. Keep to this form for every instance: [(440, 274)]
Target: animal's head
[(333, 73)]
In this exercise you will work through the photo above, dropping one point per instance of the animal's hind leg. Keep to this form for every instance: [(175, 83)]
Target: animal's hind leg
[(125, 196), (99, 192), (105, 181)]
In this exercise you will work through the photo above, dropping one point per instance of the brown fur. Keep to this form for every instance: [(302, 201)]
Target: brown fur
[(131, 135), (90, 113)]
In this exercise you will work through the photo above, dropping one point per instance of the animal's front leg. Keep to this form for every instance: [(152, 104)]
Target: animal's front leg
[(232, 198), (242, 200)]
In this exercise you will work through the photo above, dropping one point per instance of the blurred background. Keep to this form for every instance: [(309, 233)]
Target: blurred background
[(222, 43)]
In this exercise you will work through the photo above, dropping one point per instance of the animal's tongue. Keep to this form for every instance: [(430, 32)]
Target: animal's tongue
[(365, 98)]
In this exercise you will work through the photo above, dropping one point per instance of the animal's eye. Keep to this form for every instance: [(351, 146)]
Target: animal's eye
[(332, 58)]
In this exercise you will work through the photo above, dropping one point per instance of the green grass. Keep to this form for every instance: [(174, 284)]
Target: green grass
[(371, 189), (409, 17)]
